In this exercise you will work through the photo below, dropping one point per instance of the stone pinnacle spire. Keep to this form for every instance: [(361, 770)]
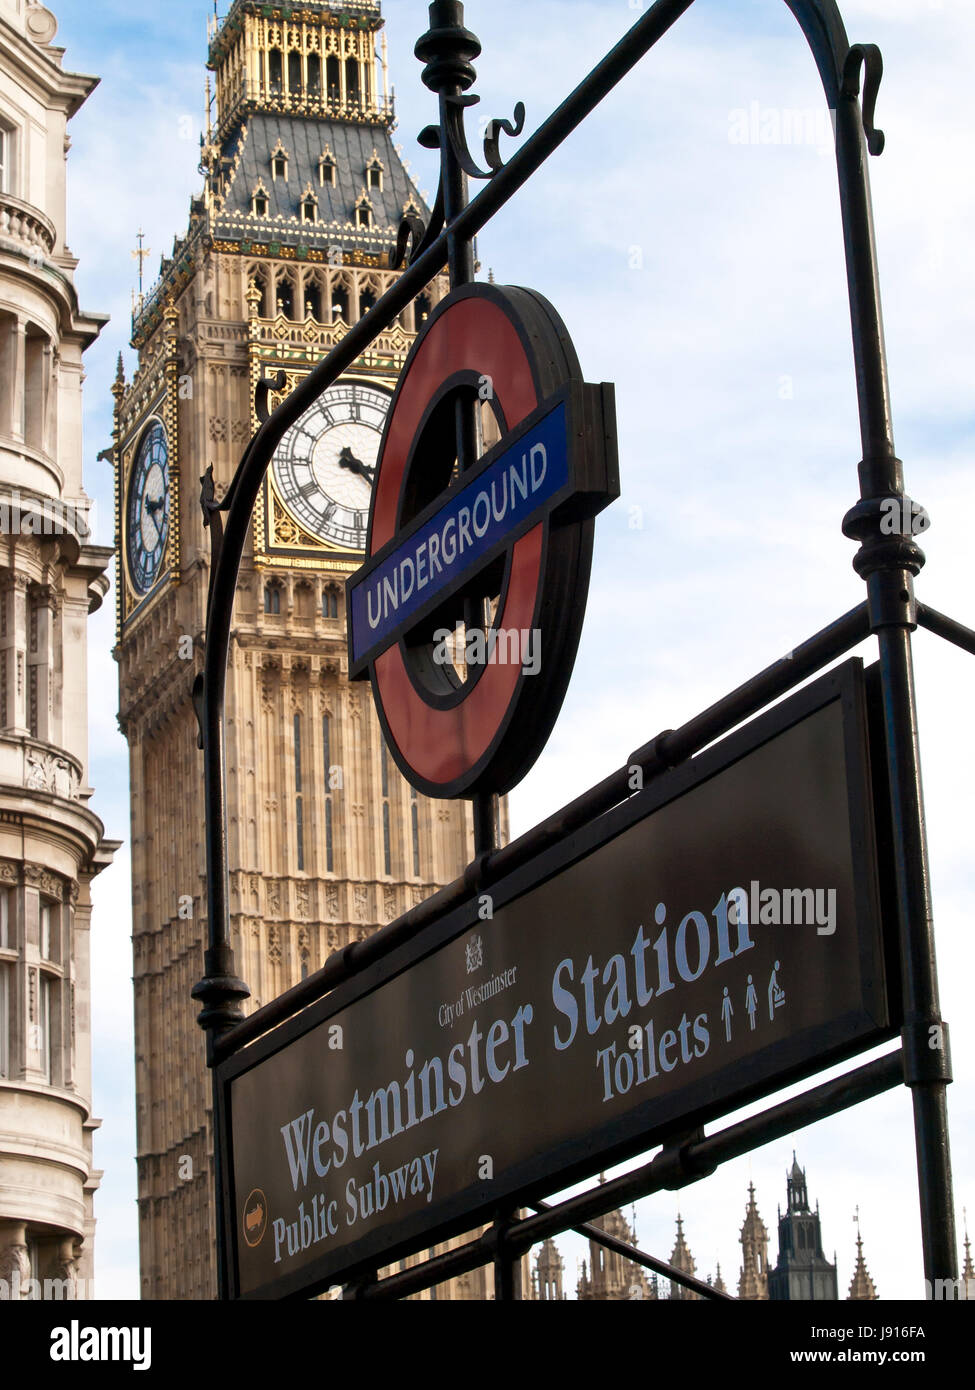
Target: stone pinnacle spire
[(861, 1285), (682, 1259), (753, 1278)]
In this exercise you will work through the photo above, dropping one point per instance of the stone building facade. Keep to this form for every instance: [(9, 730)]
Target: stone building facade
[(51, 578)]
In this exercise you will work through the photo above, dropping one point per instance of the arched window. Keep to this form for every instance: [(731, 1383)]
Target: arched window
[(6, 159), (387, 839), (309, 210), (330, 604), (272, 599), (294, 73), (374, 172), (313, 301), (366, 301), (260, 280), (333, 79), (423, 308), (260, 203), (330, 771), (352, 81), (286, 298), (299, 799), (415, 821), (340, 303), (279, 161), (326, 170), (314, 75), (275, 66), (363, 212)]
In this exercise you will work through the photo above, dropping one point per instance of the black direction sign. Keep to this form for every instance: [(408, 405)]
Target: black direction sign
[(713, 938)]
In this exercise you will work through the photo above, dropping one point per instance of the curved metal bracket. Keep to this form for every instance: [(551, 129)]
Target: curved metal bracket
[(416, 235), (263, 389), (454, 108), (495, 129), (870, 56)]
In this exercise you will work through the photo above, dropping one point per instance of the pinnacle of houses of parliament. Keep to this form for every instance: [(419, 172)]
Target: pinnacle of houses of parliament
[(753, 1278), (51, 578), (967, 1288), (609, 1276), (862, 1287), (682, 1259), (286, 247), (802, 1271), (549, 1270)]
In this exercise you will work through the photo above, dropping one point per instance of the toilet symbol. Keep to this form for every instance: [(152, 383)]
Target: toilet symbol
[(776, 994), (751, 1003), (726, 1012)]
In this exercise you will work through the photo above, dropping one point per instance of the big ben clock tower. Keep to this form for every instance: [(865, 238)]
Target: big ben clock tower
[(286, 247)]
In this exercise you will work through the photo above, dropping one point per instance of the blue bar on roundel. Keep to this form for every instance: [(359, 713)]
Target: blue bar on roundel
[(470, 528)]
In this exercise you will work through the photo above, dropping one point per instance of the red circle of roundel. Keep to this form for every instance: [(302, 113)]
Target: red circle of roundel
[(444, 746)]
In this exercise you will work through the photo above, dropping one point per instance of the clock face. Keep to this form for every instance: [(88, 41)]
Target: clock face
[(147, 530), (325, 466)]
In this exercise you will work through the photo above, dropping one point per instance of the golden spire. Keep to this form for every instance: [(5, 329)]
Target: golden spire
[(141, 255), (861, 1285)]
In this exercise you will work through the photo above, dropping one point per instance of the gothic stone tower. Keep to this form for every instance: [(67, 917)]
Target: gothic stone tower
[(286, 247), (51, 578), (802, 1270), (753, 1277)]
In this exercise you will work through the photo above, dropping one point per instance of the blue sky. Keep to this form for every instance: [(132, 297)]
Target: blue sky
[(705, 277)]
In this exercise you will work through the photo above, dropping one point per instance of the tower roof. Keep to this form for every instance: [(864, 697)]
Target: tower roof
[(305, 144), (861, 1285), (796, 1195), (753, 1226)]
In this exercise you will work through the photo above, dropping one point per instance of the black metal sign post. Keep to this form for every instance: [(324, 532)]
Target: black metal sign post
[(887, 562)]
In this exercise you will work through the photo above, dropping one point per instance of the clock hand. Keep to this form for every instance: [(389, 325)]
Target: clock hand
[(154, 506), (347, 459)]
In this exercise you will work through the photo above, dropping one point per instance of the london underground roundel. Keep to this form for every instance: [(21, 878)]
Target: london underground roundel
[(467, 613)]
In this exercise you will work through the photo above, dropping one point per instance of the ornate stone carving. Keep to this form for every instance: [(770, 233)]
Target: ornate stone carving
[(389, 904), (42, 879), (332, 901), (46, 772), (361, 902), (15, 1268), (274, 899), (9, 872)]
